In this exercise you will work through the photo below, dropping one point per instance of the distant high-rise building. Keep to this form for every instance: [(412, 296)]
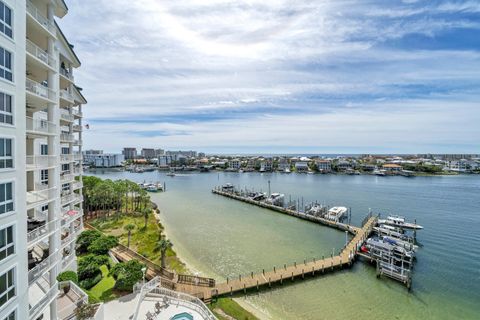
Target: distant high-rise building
[(147, 153), (159, 152), (129, 153), (91, 151), (188, 154)]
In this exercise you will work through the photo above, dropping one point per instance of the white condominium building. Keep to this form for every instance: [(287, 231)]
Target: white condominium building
[(40, 161)]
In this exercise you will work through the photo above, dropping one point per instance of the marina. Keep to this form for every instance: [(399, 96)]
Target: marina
[(252, 239)]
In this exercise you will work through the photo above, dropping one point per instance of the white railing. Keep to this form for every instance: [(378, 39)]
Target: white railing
[(99, 313), (40, 54), (186, 300), (37, 15), (71, 237), (66, 74), (77, 185), (46, 299), (40, 161), (77, 127), (66, 95), (41, 126), (66, 157), (65, 115), (77, 113), (77, 156), (69, 218), (37, 196), (42, 267), (71, 197), (67, 260), (67, 137), (67, 176), (39, 90), (41, 232), (68, 311)]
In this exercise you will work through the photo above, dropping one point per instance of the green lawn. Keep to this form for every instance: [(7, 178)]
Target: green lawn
[(231, 308), (143, 240), (103, 291)]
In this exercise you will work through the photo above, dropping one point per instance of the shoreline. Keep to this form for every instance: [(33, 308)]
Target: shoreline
[(193, 270)]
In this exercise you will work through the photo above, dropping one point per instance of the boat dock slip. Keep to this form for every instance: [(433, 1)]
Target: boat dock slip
[(294, 213)]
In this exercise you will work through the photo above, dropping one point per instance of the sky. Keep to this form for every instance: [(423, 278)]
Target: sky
[(279, 76)]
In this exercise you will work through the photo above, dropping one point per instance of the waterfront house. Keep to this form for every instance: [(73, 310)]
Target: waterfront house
[(266, 165), (283, 164), (234, 164), (344, 165), (301, 166), (392, 168), (324, 165)]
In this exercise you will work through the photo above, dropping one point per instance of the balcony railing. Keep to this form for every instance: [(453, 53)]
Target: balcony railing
[(77, 156), (42, 303), (71, 197), (77, 113), (65, 115), (40, 162), (39, 17), (42, 267), (39, 90), (40, 54), (41, 126), (77, 127), (66, 95), (71, 237), (66, 157), (70, 215), (41, 232), (77, 185), (76, 297), (67, 137), (66, 260), (66, 74), (35, 197)]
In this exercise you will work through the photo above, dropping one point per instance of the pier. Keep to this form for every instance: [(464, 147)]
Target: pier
[(294, 213)]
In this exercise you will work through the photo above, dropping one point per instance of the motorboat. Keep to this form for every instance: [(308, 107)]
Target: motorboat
[(315, 210), (276, 199), (227, 187), (379, 173), (257, 196), (398, 221), (336, 213)]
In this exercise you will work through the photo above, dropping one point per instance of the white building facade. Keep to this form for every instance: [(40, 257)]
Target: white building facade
[(104, 160), (40, 160)]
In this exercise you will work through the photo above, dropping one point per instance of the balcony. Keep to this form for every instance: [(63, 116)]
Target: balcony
[(38, 162), (67, 138), (70, 237), (71, 198), (47, 298), (68, 302), (41, 233), (66, 158), (65, 73), (77, 128), (77, 113), (67, 260), (65, 115), (40, 127), (40, 196), (40, 54), (39, 90), (38, 17), (70, 215), (45, 265), (77, 185), (65, 95)]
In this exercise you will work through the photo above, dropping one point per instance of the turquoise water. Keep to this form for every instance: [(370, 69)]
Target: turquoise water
[(220, 237), (182, 316)]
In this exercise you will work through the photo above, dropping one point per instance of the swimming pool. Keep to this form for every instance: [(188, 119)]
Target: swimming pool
[(182, 316)]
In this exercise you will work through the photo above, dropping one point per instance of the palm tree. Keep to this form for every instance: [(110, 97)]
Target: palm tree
[(145, 215), (129, 228), (163, 245)]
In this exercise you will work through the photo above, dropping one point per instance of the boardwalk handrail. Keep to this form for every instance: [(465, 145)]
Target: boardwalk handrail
[(196, 280), (150, 264)]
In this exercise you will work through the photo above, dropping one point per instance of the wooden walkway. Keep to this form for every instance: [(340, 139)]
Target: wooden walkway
[(266, 279), (206, 288)]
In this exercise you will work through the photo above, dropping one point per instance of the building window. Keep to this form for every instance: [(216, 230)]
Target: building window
[(6, 64), (11, 316), (44, 177), (6, 114), (6, 20), (6, 157), (65, 167), (7, 246), (44, 149), (7, 286), (65, 150), (6, 197)]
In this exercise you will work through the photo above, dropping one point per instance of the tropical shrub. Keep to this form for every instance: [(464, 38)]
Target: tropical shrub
[(86, 238), (102, 244), (68, 276), (89, 266), (127, 274), (90, 282)]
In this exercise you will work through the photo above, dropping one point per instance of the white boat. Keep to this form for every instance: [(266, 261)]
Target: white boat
[(276, 199), (316, 210), (379, 172), (228, 187), (287, 170), (398, 221), (336, 213), (240, 171)]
